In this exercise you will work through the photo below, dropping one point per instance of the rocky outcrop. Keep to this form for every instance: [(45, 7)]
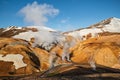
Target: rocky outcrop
[(103, 50), (13, 30), (16, 57)]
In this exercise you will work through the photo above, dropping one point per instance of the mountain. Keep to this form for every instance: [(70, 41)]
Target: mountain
[(43, 52), (14, 30), (105, 27), (43, 35), (20, 61), (47, 37)]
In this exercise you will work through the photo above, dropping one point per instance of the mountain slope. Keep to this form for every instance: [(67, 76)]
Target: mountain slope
[(14, 30), (16, 57), (111, 25), (44, 36)]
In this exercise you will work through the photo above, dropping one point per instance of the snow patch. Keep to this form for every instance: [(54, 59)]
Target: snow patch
[(17, 59), (84, 32)]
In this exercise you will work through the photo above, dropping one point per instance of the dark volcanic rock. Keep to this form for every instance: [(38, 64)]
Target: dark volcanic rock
[(72, 72)]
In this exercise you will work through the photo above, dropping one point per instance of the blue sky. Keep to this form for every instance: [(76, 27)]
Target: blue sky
[(61, 15)]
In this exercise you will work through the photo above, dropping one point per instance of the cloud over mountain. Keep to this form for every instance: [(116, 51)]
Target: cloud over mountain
[(37, 14)]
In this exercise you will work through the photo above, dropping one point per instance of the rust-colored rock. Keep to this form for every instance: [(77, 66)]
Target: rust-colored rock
[(103, 50), (22, 59), (17, 58), (6, 68)]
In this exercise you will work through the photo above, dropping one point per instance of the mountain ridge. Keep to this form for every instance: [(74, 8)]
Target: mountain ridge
[(104, 27), (95, 24), (110, 25)]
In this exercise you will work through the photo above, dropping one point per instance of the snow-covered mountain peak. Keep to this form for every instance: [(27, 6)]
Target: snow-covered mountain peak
[(115, 21), (15, 30), (12, 27), (114, 18), (110, 21), (111, 25)]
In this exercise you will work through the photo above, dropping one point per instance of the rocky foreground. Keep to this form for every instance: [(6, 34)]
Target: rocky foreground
[(71, 72)]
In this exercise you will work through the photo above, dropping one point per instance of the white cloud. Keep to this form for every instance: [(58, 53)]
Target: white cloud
[(38, 14)]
